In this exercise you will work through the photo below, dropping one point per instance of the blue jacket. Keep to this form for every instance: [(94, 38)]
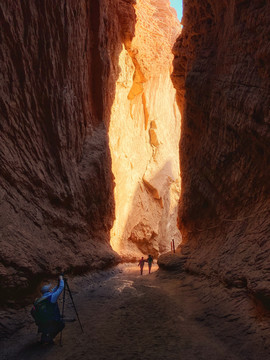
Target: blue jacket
[(52, 297), (55, 293)]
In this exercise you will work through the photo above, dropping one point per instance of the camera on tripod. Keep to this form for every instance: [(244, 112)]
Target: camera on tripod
[(67, 288)]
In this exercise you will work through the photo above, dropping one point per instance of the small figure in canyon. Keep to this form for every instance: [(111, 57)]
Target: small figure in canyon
[(141, 264), (150, 262), (47, 314)]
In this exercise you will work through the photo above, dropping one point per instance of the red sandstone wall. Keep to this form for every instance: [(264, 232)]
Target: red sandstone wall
[(144, 136), (58, 72), (222, 76)]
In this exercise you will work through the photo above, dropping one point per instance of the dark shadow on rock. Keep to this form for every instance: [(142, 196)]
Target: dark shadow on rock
[(224, 153)]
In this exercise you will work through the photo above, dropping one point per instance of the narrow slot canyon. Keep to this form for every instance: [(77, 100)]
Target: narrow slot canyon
[(121, 130), (144, 137)]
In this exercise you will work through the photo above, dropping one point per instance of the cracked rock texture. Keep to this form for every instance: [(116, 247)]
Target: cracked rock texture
[(144, 136), (222, 77), (59, 64)]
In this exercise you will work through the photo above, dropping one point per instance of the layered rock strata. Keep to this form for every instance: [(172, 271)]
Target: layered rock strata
[(144, 136), (59, 65), (222, 77)]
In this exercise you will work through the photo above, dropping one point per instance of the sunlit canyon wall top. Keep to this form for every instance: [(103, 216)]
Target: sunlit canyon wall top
[(144, 136)]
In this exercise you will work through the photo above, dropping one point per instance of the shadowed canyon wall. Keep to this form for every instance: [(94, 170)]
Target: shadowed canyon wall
[(144, 136), (70, 72), (59, 65), (222, 77)]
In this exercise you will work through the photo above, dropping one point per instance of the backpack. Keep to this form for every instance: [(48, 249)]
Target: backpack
[(43, 310)]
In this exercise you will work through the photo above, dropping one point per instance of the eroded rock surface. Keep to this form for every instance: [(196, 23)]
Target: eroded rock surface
[(222, 77), (144, 136), (59, 64)]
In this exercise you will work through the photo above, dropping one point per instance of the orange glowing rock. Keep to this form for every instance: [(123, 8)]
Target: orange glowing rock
[(144, 136)]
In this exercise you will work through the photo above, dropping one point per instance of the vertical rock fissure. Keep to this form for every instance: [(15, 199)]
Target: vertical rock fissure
[(97, 64)]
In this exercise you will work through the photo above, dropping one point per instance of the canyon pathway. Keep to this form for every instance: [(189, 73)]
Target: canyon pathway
[(159, 316)]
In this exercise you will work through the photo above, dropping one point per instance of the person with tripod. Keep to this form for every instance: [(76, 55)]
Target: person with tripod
[(46, 312)]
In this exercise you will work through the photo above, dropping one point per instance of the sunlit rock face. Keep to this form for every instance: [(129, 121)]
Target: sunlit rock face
[(59, 65), (221, 73), (144, 136)]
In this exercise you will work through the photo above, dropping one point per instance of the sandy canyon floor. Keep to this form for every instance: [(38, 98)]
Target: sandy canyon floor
[(158, 316)]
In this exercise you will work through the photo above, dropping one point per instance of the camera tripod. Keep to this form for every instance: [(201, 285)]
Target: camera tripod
[(66, 287)]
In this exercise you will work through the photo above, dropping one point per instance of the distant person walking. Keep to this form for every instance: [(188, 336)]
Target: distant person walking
[(141, 264), (150, 262)]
